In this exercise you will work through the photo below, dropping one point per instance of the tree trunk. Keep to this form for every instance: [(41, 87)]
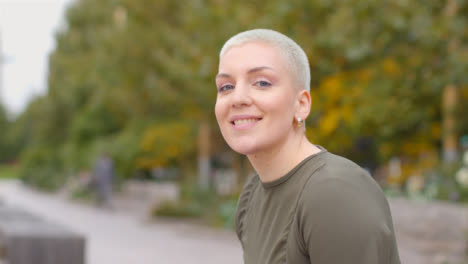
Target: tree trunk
[(449, 124), (449, 100), (204, 164)]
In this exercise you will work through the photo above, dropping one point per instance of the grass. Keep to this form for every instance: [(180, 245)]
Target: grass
[(8, 171)]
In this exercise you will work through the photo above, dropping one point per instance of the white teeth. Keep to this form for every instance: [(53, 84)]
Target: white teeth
[(244, 121)]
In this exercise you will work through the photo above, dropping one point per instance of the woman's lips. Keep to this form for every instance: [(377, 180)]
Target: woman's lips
[(244, 122)]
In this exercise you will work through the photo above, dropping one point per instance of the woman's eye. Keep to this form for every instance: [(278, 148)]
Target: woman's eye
[(262, 84), (225, 87)]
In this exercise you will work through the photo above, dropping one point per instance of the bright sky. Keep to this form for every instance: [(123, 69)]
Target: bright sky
[(27, 29)]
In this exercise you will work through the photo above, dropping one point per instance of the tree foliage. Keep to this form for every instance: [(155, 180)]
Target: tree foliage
[(135, 77), (11, 137)]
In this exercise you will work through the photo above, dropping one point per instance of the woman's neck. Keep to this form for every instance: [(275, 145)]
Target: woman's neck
[(275, 163)]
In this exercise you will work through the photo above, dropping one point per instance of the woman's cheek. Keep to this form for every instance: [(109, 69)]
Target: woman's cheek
[(219, 110)]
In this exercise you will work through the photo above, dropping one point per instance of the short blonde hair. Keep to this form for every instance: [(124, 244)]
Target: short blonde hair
[(295, 55)]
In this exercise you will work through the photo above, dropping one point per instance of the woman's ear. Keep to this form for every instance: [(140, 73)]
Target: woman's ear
[(304, 102)]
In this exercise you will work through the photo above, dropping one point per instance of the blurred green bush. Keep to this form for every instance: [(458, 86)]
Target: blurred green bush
[(8, 171), (43, 168), (204, 205)]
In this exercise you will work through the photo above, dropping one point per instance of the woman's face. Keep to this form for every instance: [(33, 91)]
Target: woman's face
[(256, 101)]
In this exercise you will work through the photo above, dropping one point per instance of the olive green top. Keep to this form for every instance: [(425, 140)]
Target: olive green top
[(327, 210)]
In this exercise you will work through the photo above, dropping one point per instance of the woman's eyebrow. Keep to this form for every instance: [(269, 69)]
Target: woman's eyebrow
[(257, 69), (222, 75)]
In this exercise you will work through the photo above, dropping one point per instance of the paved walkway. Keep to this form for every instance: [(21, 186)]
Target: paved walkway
[(427, 232), (116, 238), (430, 232)]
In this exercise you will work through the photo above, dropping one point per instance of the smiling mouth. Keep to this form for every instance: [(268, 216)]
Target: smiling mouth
[(245, 121)]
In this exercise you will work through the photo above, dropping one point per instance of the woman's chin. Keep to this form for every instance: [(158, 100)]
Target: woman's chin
[(244, 149)]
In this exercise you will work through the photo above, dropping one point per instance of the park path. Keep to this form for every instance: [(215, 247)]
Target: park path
[(430, 232), (427, 232), (118, 238)]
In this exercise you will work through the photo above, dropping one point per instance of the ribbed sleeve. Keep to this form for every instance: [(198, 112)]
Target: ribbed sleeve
[(243, 205)]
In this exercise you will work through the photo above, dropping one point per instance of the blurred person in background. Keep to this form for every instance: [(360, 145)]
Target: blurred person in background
[(103, 180), (305, 204)]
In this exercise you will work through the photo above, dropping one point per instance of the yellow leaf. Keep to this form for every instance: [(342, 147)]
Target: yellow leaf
[(390, 67), (329, 122)]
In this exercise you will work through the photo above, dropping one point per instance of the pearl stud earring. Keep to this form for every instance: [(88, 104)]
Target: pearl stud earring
[(299, 121)]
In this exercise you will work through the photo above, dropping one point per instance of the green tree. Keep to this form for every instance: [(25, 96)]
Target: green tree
[(126, 70)]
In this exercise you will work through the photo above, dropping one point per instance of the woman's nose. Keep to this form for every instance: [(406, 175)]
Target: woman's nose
[(241, 96)]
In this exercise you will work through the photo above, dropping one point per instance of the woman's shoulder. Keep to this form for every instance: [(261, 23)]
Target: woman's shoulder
[(343, 210), (343, 183), (336, 163), (336, 168)]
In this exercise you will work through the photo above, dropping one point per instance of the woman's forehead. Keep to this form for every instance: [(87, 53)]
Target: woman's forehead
[(250, 56), (255, 46)]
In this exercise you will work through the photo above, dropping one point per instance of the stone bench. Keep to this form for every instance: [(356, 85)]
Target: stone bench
[(28, 239)]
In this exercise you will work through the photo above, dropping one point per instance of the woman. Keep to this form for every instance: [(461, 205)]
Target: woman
[(305, 205)]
